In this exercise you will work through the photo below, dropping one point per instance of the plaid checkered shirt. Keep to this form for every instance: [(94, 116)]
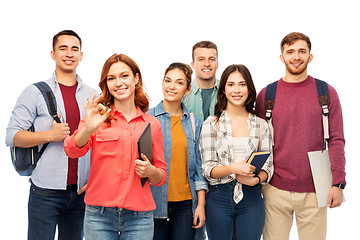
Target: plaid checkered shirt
[(216, 148)]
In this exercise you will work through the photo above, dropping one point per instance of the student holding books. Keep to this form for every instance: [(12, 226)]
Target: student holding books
[(234, 205), (116, 202), (180, 202)]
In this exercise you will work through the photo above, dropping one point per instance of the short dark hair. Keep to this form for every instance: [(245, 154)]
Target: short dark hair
[(221, 97), (65, 32), (290, 38), (204, 44)]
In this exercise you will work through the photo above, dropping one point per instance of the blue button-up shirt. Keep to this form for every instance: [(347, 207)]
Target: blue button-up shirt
[(196, 179), (194, 102), (52, 168)]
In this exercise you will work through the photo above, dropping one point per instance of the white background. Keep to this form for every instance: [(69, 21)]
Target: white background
[(157, 33)]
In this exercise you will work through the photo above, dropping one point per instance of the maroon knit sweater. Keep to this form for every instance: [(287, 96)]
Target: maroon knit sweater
[(297, 121)]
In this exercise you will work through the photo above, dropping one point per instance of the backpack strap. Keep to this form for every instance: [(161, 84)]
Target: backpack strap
[(270, 93), (51, 105), (193, 125), (49, 99), (324, 101), (192, 122)]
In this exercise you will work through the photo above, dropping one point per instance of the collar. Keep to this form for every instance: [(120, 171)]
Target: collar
[(196, 89), (139, 113), (225, 121), (54, 82), (159, 110)]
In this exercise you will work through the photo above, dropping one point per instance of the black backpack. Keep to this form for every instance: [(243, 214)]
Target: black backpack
[(25, 159), (323, 97)]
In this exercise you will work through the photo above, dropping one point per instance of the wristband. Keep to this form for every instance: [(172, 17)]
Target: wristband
[(259, 179)]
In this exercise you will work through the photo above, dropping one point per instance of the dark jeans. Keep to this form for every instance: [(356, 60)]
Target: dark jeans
[(49, 208), (226, 220), (179, 223)]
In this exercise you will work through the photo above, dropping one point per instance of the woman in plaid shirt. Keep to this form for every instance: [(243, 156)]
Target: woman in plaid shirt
[(234, 205)]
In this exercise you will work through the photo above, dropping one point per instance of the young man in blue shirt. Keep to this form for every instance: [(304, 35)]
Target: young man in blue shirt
[(58, 183)]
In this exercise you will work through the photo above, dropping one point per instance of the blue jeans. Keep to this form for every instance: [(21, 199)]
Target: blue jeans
[(107, 223), (179, 223), (48, 208), (226, 220)]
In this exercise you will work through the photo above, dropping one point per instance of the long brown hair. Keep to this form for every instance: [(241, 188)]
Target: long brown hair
[(141, 98), (221, 97)]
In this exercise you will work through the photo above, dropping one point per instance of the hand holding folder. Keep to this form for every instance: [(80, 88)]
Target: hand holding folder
[(145, 147)]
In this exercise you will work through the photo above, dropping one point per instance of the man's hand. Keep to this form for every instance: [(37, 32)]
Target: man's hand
[(59, 131), (335, 197), (83, 189)]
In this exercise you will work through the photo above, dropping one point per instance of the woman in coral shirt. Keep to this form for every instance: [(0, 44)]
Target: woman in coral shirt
[(117, 205)]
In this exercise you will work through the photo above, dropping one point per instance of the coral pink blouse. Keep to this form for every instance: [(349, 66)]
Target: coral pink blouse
[(113, 181)]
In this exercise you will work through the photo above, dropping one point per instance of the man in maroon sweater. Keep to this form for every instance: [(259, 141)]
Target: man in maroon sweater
[(298, 130)]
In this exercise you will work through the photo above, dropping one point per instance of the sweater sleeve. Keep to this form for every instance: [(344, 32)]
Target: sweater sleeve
[(336, 141)]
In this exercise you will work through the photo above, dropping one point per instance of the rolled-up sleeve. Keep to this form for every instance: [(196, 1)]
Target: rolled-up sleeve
[(266, 144), (23, 114), (200, 181)]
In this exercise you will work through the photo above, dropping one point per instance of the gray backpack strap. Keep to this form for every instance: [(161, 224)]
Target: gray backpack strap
[(50, 100)]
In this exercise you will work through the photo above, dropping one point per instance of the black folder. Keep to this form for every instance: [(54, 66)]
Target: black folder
[(145, 147)]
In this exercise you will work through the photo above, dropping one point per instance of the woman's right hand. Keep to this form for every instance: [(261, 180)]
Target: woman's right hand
[(93, 117), (243, 168), (93, 120)]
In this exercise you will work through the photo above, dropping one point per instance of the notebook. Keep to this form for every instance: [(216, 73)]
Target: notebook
[(145, 147)]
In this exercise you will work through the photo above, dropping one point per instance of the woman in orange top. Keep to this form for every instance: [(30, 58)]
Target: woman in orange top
[(180, 202), (117, 203)]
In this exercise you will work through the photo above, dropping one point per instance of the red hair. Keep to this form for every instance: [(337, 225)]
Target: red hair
[(141, 98)]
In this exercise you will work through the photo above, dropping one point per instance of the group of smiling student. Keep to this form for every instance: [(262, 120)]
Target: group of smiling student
[(202, 133)]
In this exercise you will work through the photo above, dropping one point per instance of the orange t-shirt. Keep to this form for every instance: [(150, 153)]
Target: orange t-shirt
[(179, 187)]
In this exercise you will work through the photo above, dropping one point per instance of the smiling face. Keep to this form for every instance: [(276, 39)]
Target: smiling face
[(236, 90), (296, 57), (121, 82), (205, 63), (67, 54), (174, 85)]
